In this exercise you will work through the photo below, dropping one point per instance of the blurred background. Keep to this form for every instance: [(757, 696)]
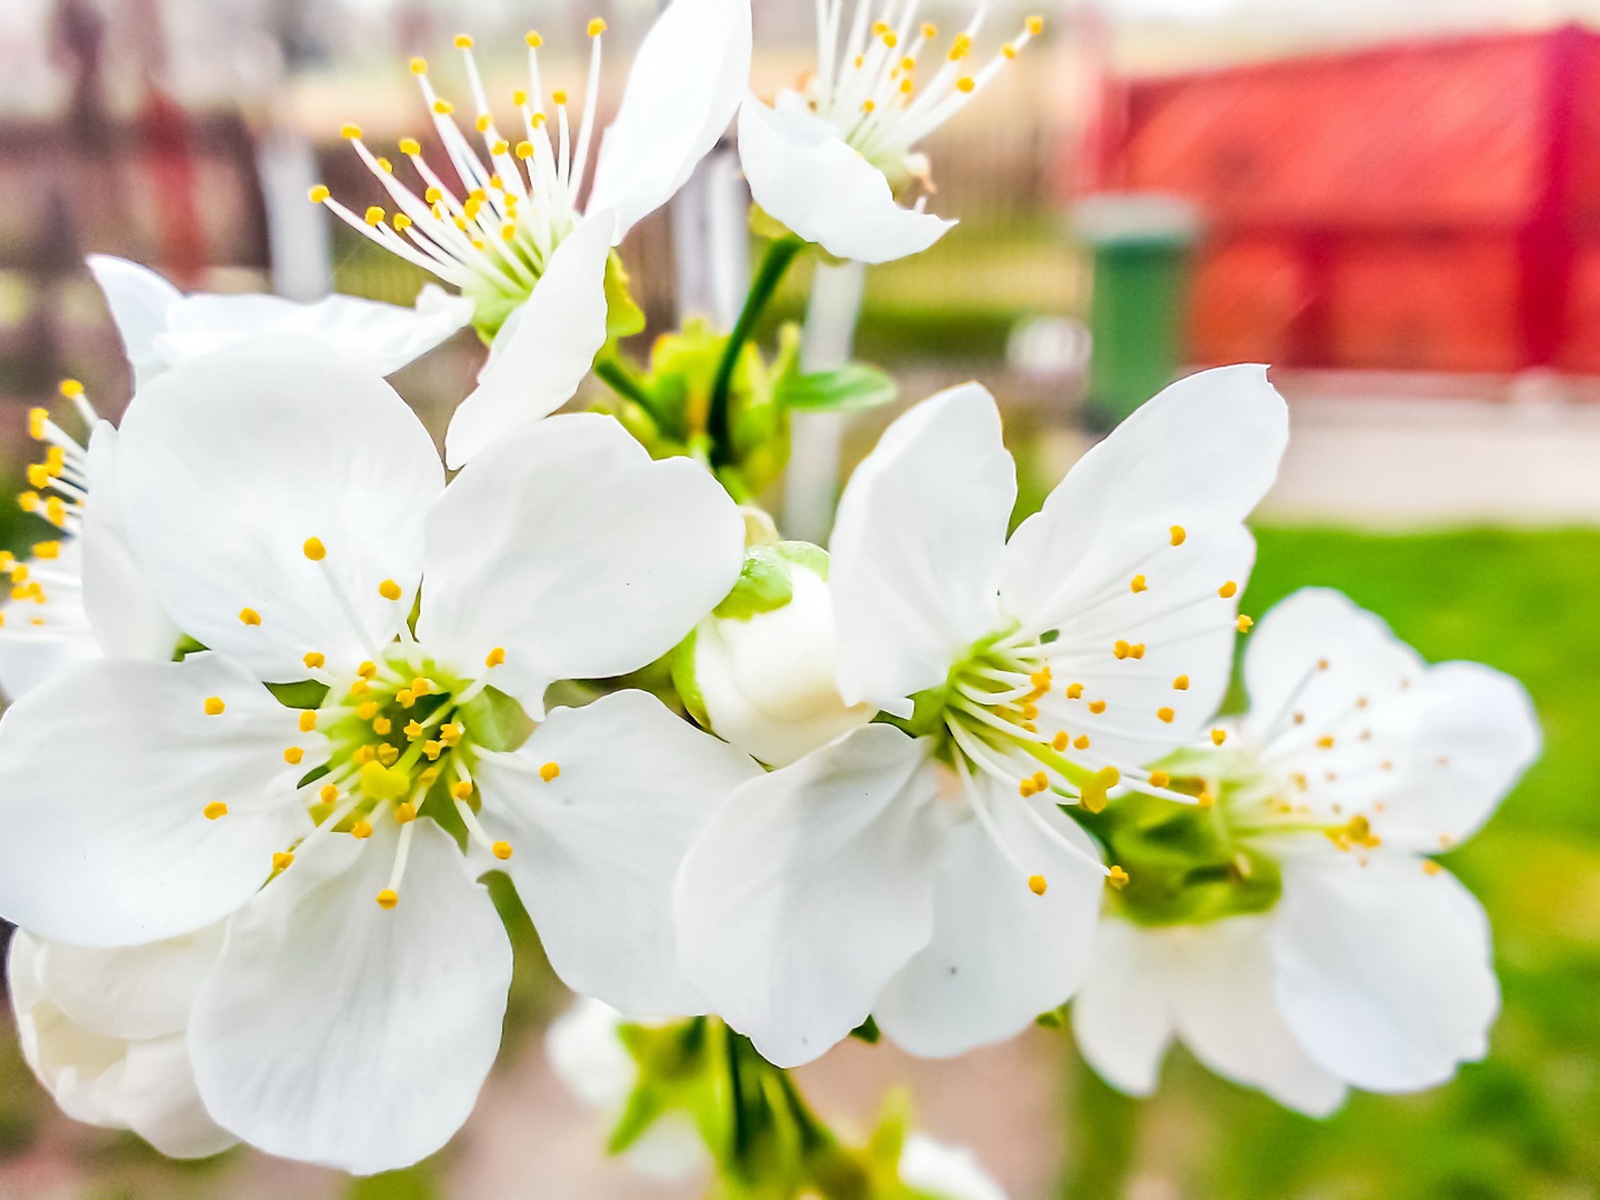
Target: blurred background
[(1395, 205)]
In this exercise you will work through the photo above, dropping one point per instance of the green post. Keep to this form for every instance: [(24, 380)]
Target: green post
[(1141, 247)]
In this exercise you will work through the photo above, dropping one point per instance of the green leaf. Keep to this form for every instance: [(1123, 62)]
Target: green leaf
[(851, 388)]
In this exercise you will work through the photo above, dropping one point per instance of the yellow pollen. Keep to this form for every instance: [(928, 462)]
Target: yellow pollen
[(1117, 878), (449, 734), (349, 132), (363, 755), (1166, 715), (1205, 799), (413, 729), (1008, 50), (1035, 26), (427, 777), (431, 749), (367, 669), (433, 195), (1037, 885), (216, 809), (1178, 535), (461, 790), (1074, 691), (55, 511), (282, 860), (367, 710), (314, 660), (498, 149), (419, 66), (420, 686), (524, 150), (329, 793), (388, 899), (71, 389), (406, 697), (375, 215), (538, 120), (1025, 788), (1159, 779), (1137, 584), (1227, 590), (519, 97), (1218, 736), (389, 590), (382, 726), (28, 501), (929, 32), (385, 166), (1136, 650), (501, 850), (596, 27), (405, 813), (966, 83), (410, 146), (388, 754), (249, 616), (382, 783), (1325, 742), (868, 106), (1181, 684), (890, 40), (1097, 706), (292, 755), (495, 657), (879, 28), (1060, 742), (463, 41), (1081, 742), (37, 418), (1243, 623), (533, 39), (314, 549), (401, 222), (1122, 649), (549, 771), (1429, 867), (443, 107), (38, 476), (214, 706), (361, 830), (483, 122)]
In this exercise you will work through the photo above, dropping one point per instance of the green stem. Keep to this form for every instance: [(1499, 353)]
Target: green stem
[(617, 376), (775, 264), (1106, 1124)]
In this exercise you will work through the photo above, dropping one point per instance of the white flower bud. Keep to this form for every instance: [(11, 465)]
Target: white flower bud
[(765, 680), (948, 1172)]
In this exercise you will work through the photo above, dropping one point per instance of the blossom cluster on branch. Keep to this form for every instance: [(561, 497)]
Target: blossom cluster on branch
[(287, 685)]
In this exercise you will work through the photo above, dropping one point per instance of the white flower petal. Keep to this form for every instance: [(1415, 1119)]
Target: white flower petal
[(687, 78), (140, 301), (999, 955), (1384, 971), (921, 525), (336, 1032), (32, 653), (568, 547), (1119, 1016), (104, 776), (945, 1172), (810, 888), (127, 617), (130, 992), (228, 464), (1200, 455), (161, 1104), (596, 850), (545, 348), (384, 337), (1219, 983), (822, 189), (588, 1056)]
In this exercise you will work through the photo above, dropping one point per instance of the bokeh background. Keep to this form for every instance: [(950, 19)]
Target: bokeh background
[(1396, 205)]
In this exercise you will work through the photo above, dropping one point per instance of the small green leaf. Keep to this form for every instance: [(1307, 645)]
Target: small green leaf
[(624, 317), (764, 585), (851, 388), (867, 1031)]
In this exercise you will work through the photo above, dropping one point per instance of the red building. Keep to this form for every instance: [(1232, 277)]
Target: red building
[(1432, 206)]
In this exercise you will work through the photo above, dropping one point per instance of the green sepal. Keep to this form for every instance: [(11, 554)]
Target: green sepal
[(497, 721), (867, 1031), (306, 693), (624, 317), (853, 387), (685, 681)]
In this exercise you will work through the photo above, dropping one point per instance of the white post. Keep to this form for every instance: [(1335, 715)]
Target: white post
[(298, 244), (711, 244), (812, 485)]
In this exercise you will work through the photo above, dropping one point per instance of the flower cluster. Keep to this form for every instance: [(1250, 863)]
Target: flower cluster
[(288, 686)]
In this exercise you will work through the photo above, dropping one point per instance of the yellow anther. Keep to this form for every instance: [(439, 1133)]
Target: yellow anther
[(1035, 26), (329, 793), (1041, 781), (433, 195), (367, 710), (419, 66), (461, 790), (405, 812), (215, 809), (349, 132), (499, 148), (1121, 649), (1429, 867), (1205, 799), (420, 686), (38, 476), (293, 754), (314, 549), (214, 706), (463, 41), (449, 734), (401, 222), (388, 899), (1166, 715), (385, 166), (1181, 684), (388, 755), (282, 860), (483, 122), (1060, 741), (1009, 50), (929, 32), (1025, 788), (549, 771), (47, 550), (1159, 779), (558, 97), (1137, 584), (37, 419), (1117, 878), (375, 215), (538, 119), (389, 590), (966, 84), (495, 657), (410, 146), (1037, 885), (519, 97), (1097, 706), (406, 697), (868, 106), (249, 616), (1074, 691), (367, 669), (890, 40), (597, 26), (1325, 742), (413, 729), (360, 687), (1218, 736), (28, 501), (508, 232), (426, 779), (382, 726), (1178, 535), (55, 511), (501, 850), (1228, 590), (361, 830), (908, 64), (314, 660), (71, 389), (1081, 742), (431, 749), (533, 39), (1243, 623), (443, 107), (879, 28), (363, 755)]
